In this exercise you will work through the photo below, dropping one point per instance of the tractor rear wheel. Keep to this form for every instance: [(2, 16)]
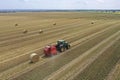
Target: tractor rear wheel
[(62, 49)]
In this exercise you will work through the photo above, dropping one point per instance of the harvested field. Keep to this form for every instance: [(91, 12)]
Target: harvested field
[(115, 72), (75, 27), (101, 66)]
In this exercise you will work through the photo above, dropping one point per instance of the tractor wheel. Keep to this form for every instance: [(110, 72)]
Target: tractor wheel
[(62, 49), (68, 47)]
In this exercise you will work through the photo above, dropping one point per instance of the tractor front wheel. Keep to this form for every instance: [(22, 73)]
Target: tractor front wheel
[(68, 46)]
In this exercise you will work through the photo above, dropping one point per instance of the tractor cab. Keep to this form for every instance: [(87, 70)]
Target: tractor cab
[(59, 42)]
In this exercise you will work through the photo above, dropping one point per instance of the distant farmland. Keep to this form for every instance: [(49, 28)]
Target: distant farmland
[(94, 39)]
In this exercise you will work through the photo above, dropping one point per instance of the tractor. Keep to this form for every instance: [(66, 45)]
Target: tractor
[(61, 46)]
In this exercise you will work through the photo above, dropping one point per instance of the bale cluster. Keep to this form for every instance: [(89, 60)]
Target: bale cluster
[(34, 58)]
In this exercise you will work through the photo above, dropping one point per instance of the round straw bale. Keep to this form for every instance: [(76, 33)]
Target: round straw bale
[(34, 58), (40, 31), (16, 24), (25, 31), (92, 22), (54, 24)]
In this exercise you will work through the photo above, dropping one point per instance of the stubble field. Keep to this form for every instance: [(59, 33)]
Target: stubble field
[(94, 52)]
